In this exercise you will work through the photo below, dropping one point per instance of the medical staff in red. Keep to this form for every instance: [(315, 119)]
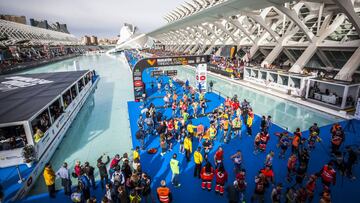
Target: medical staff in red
[(328, 175), (207, 175), (221, 177)]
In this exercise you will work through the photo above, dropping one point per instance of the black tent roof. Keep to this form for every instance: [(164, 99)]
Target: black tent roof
[(22, 96)]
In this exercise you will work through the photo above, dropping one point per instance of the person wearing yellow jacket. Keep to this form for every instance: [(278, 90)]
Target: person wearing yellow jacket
[(136, 154), (198, 159), (188, 147), (249, 122), (38, 135), (190, 128), (49, 177)]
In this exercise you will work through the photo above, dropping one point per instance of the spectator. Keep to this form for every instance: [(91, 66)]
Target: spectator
[(89, 171), (49, 177), (64, 174), (104, 177)]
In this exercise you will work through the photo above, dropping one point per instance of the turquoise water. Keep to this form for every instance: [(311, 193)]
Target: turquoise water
[(102, 125), (284, 113)]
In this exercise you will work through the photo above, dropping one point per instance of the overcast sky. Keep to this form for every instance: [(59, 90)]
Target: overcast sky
[(99, 17)]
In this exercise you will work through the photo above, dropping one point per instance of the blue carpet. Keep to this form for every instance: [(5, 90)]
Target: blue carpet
[(190, 190)]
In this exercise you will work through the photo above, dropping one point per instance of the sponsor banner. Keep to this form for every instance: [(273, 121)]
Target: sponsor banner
[(233, 50), (201, 76), (157, 73), (138, 83), (171, 72), (137, 73), (16, 82), (137, 78), (152, 62), (173, 61)]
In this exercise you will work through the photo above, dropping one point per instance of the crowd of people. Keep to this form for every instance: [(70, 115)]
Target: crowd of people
[(233, 66), (226, 122), (125, 181), (122, 181), (16, 55)]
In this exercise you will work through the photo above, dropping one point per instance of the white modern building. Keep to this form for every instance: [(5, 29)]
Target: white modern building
[(12, 33), (322, 34)]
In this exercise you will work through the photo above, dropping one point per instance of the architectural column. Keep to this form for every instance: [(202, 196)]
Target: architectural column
[(194, 48), (294, 17), (312, 48), (231, 35), (278, 48), (344, 96), (205, 38), (347, 6), (347, 71)]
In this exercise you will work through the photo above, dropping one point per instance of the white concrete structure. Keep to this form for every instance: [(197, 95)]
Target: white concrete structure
[(12, 33), (320, 34), (129, 39)]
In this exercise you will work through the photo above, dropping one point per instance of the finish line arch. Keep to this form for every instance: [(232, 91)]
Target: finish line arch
[(145, 63)]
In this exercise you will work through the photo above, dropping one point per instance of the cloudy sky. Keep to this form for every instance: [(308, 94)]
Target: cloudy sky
[(99, 17)]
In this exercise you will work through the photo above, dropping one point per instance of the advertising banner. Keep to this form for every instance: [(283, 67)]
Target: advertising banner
[(201, 76), (157, 73), (171, 73)]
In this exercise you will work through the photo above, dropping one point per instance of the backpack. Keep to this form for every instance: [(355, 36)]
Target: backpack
[(117, 177), (260, 186), (139, 134), (84, 181)]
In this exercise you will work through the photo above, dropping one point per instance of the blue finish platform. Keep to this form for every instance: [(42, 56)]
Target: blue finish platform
[(190, 191)]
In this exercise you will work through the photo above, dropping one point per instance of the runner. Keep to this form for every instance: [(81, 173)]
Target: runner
[(237, 159), (236, 127)]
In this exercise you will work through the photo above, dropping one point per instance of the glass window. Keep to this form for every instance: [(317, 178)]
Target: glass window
[(81, 84), (73, 92), (12, 137), (56, 109), (87, 79), (67, 99), (40, 125), (42, 122)]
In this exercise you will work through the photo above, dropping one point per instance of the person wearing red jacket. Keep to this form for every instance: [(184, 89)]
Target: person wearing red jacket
[(235, 105), (269, 175), (310, 187), (328, 175), (221, 177), (207, 175), (264, 139)]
